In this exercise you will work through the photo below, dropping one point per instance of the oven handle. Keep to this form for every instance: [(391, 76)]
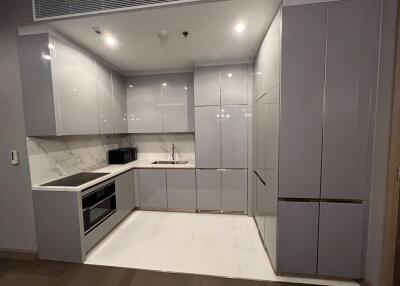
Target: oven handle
[(100, 202)]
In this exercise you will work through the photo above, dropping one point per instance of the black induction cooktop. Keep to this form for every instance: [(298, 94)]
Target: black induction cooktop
[(75, 180)]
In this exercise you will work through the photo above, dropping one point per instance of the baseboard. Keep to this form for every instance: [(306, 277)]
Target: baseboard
[(18, 254), (365, 282)]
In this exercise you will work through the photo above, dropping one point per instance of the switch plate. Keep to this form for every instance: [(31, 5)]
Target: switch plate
[(14, 157)]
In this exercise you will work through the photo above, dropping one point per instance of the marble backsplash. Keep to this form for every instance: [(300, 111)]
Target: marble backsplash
[(53, 157), (159, 146)]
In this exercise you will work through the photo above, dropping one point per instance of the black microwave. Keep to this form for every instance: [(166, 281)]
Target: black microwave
[(122, 155)]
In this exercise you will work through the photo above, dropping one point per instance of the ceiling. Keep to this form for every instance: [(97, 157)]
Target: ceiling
[(211, 26)]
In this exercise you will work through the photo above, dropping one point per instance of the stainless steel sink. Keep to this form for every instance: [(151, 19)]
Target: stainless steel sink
[(170, 162)]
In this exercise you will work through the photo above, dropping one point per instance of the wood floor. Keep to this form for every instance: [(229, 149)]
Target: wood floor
[(46, 273)]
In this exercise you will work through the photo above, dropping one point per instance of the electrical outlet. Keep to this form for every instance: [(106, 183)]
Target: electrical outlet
[(14, 157)]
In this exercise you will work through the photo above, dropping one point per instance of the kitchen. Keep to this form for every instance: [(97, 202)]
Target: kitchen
[(238, 147)]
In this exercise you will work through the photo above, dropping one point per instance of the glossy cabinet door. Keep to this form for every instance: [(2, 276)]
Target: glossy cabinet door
[(341, 240), (260, 207), (347, 102), (181, 189), (260, 138), (177, 98), (105, 99), (120, 108), (208, 137), (267, 68), (234, 122), (125, 192), (303, 56), (207, 86), (144, 104), (152, 188), (271, 215), (208, 190), (234, 84), (297, 237), (75, 88), (40, 112), (234, 190)]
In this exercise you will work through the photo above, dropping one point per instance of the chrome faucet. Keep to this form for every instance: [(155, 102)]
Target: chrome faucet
[(173, 151)]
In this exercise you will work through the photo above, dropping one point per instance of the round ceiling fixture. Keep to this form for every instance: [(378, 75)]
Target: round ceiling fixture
[(163, 35)]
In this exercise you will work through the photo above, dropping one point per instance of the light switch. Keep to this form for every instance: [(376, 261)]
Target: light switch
[(14, 157)]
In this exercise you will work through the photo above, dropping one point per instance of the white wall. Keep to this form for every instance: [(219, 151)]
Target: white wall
[(381, 141), (17, 229)]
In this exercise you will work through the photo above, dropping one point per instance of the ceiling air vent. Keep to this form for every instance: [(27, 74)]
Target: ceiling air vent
[(53, 9)]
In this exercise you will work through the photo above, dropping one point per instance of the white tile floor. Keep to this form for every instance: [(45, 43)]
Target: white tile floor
[(212, 244)]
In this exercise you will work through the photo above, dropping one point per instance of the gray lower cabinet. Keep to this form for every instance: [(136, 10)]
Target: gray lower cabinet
[(208, 190), (120, 108), (181, 189), (105, 99), (234, 190), (125, 192), (152, 188), (340, 240), (303, 65), (208, 137), (260, 206), (297, 236), (234, 136), (207, 86)]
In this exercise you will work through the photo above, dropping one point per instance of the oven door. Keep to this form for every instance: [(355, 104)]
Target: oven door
[(98, 206)]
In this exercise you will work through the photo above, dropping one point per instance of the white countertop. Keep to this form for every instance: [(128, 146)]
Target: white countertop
[(115, 170)]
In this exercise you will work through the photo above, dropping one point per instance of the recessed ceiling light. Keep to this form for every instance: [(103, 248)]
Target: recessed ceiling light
[(51, 46), (185, 87), (230, 75), (164, 84), (110, 40), (239, 27), (130, 86)]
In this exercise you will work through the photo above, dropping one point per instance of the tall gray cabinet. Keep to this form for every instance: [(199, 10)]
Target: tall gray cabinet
[(221, 129), (324, 133)]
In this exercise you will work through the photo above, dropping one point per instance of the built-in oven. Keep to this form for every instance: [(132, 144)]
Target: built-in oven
[(98, 203)]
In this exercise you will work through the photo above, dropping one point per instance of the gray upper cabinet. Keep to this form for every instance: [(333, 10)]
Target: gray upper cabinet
[(177, 98), (234, 80), (125, 192), (207, 86), (105, 99), (181, 189), (341, 240), (267, 66), (234, 190), (347, 101), (221, 85), (152, 188), (208, 137), (120, 108), (144, 104), (75, 87), (66, 91), (303, 56), (160, 103), (208, 190), (297, 237), (234, 122)]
